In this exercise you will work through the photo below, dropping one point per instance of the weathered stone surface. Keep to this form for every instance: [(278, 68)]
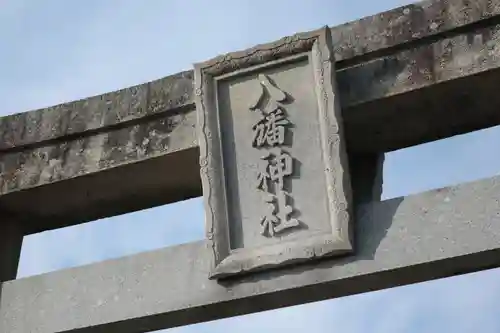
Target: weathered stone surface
[(405, 240), (118, 190), (171, 93), (273, 158), (408, 76), (407, 24), (449, 58), (374, 95), (354, 43), (397, 101), (97, 113), (390, 102), (64, 160)]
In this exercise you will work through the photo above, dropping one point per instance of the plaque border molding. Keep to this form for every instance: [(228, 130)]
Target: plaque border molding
[(317, 45)]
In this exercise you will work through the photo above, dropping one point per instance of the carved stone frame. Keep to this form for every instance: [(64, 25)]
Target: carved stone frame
[(317, 45)]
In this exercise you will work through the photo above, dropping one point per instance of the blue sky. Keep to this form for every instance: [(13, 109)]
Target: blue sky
[(56, 51)]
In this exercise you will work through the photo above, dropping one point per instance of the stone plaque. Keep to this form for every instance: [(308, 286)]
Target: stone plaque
[(272, 155)]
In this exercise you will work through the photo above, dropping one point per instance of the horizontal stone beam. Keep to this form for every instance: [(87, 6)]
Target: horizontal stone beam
[(431, 235), (355, 42), (396, 71)]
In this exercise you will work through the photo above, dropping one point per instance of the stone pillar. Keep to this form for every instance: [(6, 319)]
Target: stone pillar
[(11, 239), (366, 177)]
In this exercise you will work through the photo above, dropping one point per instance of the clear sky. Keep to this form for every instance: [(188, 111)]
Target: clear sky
[(56, 51)]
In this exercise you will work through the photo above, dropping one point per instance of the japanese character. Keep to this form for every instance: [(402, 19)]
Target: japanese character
[(269, 221), (270, 129), (280, 167), (277, 220), (266, 85), (263, 176), (274, 167)]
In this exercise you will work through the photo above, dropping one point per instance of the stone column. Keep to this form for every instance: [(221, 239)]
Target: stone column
[(366, 177), (11, 239)]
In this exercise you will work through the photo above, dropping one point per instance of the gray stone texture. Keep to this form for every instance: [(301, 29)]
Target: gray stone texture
[(421, 237), (411, 75), (396, 70), (404, 107), (408, 24), (312, 201), (142, 152), (354, 42), (68, 159), (84, 117), (309, 183)]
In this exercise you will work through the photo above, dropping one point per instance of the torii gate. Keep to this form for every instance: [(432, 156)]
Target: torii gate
[(289, 137)]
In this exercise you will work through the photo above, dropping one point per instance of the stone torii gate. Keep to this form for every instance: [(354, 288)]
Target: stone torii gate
[(289, 137)]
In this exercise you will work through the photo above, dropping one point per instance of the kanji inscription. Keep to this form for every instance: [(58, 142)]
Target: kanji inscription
[(276, 164), (273, 162)]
